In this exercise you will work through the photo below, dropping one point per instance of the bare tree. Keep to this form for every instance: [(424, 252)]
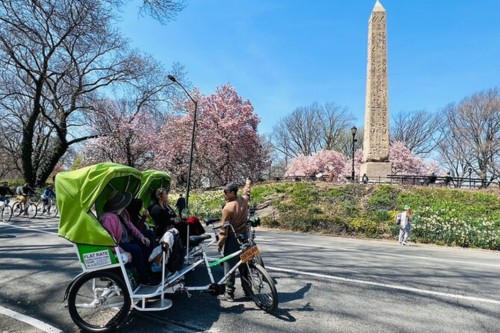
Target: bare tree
[(344, 143), (332, 121), (473, 137), (310, 129), (162, 10), (421, 131), (57, 57)]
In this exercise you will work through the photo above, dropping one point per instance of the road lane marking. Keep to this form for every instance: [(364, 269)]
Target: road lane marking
[(30, 321), (31, 228), (385, 285), (447, 260)]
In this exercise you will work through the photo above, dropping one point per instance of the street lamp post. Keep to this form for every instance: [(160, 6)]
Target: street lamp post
[(470, 177), (354, 140), (173, 79)]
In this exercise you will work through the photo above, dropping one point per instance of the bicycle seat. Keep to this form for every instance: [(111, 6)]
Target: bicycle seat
[(211, 220), (196, 240)]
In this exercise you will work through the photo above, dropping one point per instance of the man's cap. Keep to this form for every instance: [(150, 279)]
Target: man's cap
[(117, 201)]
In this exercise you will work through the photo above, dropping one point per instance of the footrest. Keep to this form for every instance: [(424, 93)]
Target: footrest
[(196, 240), (158, 305), (145, 290)]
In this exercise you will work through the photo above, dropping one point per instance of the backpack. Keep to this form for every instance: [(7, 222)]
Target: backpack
[(398, 219), (176, 257), (195, 227)]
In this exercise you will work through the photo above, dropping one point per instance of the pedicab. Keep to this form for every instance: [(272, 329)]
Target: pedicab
[(100, 298)]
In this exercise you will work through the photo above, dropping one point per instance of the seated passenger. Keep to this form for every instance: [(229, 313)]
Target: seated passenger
[(117, 223), (164, 216), (138, 219)]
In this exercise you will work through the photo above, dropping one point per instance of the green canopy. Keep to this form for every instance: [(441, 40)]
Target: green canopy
[(81, 194), (151, 181)]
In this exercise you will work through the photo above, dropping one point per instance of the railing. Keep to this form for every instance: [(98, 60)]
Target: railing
[(455, 182)]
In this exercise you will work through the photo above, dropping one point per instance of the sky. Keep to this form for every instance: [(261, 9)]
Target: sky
[(285, 54)]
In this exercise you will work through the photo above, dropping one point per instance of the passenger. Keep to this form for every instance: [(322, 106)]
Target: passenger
[(116, 221), (139, 221), (164, 216)]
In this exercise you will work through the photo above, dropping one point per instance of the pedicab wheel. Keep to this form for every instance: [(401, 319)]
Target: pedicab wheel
[(99, 301), (262, 288), (6, 213), (32, 210)]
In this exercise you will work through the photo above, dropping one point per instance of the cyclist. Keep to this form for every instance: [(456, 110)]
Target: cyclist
[(23, 192), (47, 196), (4, 192), (236, 213)]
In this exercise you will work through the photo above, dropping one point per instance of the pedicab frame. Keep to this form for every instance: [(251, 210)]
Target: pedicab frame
[(81, 196)]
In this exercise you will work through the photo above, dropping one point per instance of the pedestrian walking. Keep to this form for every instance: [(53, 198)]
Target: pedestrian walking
[(180, 204), (404, 221)]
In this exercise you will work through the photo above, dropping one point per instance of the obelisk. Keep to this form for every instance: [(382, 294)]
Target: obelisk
[(376, 136)]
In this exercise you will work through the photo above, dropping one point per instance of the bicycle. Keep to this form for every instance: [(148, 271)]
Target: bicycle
[(29, 208), (100, 298), (47, 206), (5, 211), (95, 295), (253, 221)]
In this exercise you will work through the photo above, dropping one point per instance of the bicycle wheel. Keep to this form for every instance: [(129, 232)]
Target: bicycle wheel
[(6, 213), (17, 209), (258, 260), (262, 288), (32, 210), (99, 301), (52, 210), (41, 209)]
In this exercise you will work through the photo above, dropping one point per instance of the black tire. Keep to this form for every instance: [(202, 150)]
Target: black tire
[(262, 288), (16, 209), (41, 209), (6, 213), (52, 211), (258, 260), (94, 311), (32, 210)]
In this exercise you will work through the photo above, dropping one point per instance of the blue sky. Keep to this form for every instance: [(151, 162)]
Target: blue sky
[(284, 54)]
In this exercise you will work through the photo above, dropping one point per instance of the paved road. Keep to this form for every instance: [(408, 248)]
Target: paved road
[(325, 284)]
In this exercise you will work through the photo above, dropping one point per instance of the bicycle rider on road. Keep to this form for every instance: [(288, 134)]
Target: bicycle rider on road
[(236, 213), (47, 196), (4, 192), (23, 193)]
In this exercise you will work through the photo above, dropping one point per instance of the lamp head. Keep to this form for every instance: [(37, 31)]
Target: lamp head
[(354, 130), (171, 78)]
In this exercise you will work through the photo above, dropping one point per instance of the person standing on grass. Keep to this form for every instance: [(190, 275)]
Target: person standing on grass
[(404, 222), (180, 204)]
